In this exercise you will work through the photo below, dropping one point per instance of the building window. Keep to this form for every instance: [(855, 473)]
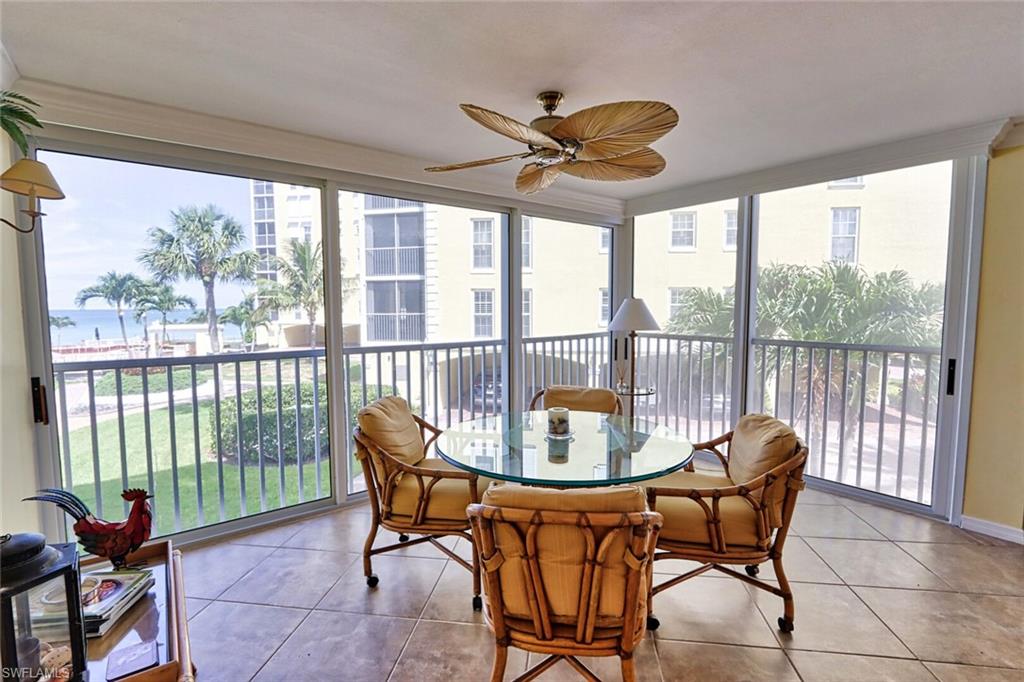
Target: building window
[(395, 311), (527, 312), (684, 231), (604, 244), (527, 243), (263, 207), (483, 313), (483, 243), (856, 182), (729, 242), (304, 227), (262, 187), (395, 244), (676, 300), (606, 307), (845, 225), (298, 197)]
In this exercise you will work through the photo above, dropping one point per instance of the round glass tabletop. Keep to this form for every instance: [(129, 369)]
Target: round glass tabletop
[(602, 449)]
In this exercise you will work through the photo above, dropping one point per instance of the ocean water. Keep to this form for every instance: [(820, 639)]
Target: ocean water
[(90, 322)]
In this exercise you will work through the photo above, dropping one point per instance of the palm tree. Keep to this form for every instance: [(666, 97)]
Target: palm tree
[(302, 287), (17, 115), (160, 297), (59, 322), (248, 315), (119, 290), (203, 244)]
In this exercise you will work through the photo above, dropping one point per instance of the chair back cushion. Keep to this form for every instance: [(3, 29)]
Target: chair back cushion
[(759, 444), (581, 398), (389, 423), (562, 550)]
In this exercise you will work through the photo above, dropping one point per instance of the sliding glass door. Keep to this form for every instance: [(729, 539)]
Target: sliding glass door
[(848, 310)]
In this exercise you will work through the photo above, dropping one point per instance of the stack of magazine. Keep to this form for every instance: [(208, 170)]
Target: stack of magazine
[(107, 595)]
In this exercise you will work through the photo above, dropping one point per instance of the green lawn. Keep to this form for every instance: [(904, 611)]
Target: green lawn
[(131, 381), (189, 478)]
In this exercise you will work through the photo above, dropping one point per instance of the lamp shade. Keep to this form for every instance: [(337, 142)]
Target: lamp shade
[(28, 176), (633, 315)]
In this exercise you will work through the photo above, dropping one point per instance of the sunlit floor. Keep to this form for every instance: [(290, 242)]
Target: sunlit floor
[(880, 595)]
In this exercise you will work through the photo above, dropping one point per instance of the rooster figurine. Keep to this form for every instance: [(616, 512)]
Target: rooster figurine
[(107, 539)]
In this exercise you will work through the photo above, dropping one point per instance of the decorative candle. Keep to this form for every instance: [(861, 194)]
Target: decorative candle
[(558, 421)]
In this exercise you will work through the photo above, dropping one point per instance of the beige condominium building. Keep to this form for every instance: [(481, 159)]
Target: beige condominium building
[(432, 273)]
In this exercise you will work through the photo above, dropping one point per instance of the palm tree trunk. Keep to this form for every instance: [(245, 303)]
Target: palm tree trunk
[(311, 314), (124, 332), (163, 326), (211, 316)]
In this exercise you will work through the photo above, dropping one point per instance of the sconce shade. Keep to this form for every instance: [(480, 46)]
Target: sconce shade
[(633, 315), (29, 176)]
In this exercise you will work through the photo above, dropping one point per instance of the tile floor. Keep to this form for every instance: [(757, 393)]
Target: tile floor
[(880, 595)]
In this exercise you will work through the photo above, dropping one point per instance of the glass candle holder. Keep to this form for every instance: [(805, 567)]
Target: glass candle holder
[(558, 421)]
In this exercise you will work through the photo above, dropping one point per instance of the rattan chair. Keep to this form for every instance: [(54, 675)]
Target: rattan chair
[(565, 572), (741, 517), (409, 493), (581, 398)]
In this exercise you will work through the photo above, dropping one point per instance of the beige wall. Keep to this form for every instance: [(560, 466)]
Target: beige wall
[(995, 457), (17, 452)]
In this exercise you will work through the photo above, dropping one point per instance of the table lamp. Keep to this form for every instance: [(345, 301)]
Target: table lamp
[(33, 179), (632, 316)]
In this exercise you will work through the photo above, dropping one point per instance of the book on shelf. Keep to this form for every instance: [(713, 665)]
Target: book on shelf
[(106, 596)]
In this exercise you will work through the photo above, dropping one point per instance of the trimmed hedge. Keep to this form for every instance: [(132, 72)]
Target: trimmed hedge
[(268, 421)]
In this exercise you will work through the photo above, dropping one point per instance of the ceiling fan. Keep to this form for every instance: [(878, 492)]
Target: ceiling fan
[(605, 142)]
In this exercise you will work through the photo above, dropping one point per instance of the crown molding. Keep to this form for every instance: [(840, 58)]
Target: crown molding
[(1012, 134), (951, 144), (76, 108)]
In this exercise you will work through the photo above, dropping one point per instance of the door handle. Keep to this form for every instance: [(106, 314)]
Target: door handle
[(951, 377), (40, 412)]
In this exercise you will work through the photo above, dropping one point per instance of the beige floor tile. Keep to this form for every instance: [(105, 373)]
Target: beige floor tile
[(953, 628), (951, 672), (194, 605), (291, 577), (815, 666), (232, 641), (722, 663), (211, 569), (679, 566), (809, 496), (452, 598), (404, 587), (801, 565), (711, 610), (974, 568), (900, 526), (825, 521), (875, 563), (331, 645), (831, 618), (450, 652), (983, 539), (608, 668), (346, 531), (271, 536)]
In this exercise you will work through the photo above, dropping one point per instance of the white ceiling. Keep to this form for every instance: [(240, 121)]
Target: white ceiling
[(756, 84)]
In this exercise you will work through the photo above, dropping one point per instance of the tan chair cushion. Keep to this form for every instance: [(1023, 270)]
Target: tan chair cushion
[(388, 422), (581, 398), (448, 498), (685, 520), (561, 549), (759, 444)]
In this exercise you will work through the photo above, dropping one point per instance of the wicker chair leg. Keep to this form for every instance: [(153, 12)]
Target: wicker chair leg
[(500, 659), (478, 602), (371, 579), (628, 669), (786, 621)]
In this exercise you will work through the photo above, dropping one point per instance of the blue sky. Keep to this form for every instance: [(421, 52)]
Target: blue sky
[(101, 224)]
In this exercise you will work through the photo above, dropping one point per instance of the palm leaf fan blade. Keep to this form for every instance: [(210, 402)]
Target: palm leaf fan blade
[(533, 178), (509, 127), (610, 130), (642, 163), (480, 162)]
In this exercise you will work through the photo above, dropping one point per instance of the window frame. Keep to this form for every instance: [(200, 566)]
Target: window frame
[(526, 243), (526, 312), (726, 246), (475, 315), (672, 247), (852, 182), (604, 307), (855, 236), (489, 222)]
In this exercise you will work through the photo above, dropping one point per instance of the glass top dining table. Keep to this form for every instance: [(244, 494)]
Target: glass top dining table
[(602, 450)]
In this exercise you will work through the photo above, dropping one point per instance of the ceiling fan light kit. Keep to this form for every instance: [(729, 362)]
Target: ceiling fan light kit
[(608, 142)]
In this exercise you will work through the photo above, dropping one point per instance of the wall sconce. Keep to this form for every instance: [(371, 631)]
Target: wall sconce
[(33, 179)]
